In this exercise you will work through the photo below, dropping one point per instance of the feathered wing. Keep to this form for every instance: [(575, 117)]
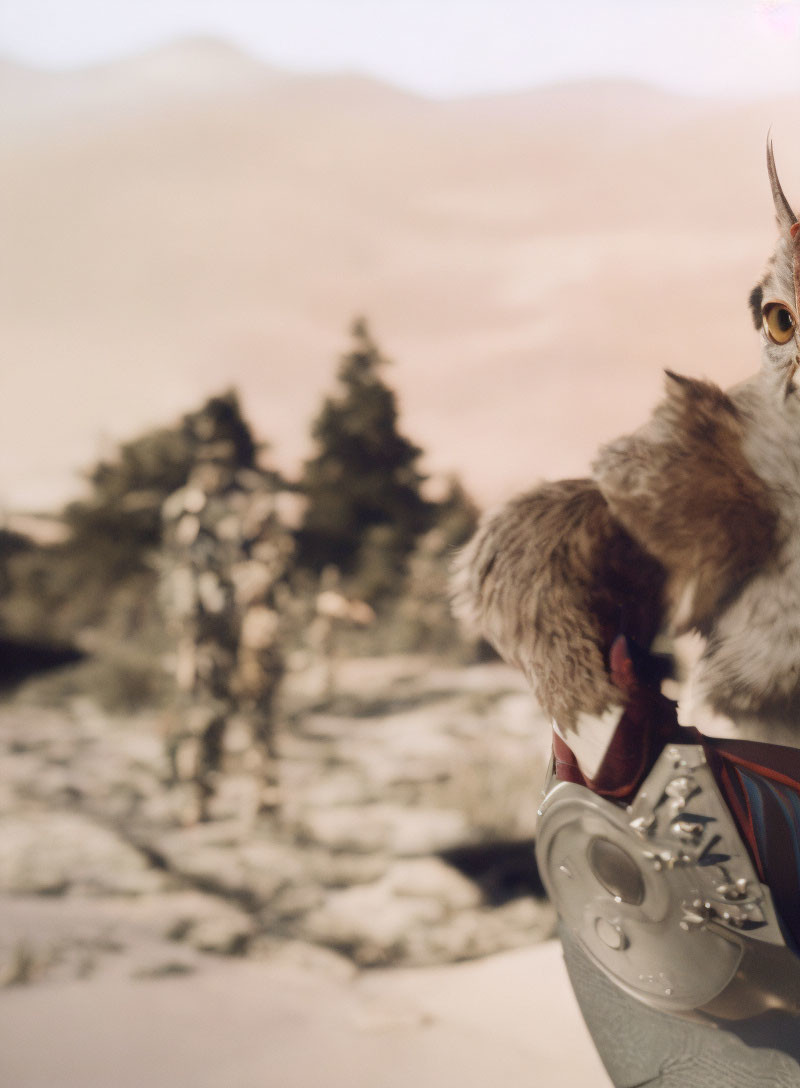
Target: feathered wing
[(551, 580), (668, 531), (684, 490)]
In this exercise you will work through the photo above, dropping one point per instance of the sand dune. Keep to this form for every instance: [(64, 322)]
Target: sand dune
[(189, 220)]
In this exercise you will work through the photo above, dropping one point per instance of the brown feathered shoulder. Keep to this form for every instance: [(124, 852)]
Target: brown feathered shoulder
[(670, 528), (684, 490), (550, 580)]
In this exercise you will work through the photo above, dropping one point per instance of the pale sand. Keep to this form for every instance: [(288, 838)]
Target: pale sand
[(510, 1019)]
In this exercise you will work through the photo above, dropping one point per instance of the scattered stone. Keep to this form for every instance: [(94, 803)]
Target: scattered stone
[(430, 878), (238, 797), (340, 787), (334, 869), (295, 901), (394, 829), (223, 935), (253, 871), (413, 763), (371, 923), (49, 853), (309, 957), (471, 934)]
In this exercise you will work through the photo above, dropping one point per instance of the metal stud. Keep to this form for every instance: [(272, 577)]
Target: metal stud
[(733, 892), (688, 830), (679, 787), (643, 824)]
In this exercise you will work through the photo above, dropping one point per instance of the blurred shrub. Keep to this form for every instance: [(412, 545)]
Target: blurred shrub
[(102, 574), (366, 515), (123, 680)]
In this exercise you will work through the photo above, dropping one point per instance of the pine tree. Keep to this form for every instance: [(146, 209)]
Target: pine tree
[(365, 509)]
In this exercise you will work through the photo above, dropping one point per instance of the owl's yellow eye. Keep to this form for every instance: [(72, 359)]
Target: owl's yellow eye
[(779, 322)]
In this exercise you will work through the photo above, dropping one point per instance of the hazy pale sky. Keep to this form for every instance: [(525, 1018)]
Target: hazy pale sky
[(444, 47)]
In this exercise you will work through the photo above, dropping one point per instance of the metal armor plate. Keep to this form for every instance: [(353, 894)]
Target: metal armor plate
[(661, 894)]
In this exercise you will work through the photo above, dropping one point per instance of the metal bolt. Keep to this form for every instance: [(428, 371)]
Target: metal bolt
[(687, 830), (610, 934), (642, 824), (732, 892), (679, 787)]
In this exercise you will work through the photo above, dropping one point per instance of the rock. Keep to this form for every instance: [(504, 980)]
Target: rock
[(348, 827), (421, 912), (205, 923), (430, 878), (295, 901), (52, 852), (213, 833), (271, 867), (238, 798), (370, 922), (340, 787), (475, 933), (309, 957), (395, 829), (224, 934), (256, 870), (142, 747), (341, 870)]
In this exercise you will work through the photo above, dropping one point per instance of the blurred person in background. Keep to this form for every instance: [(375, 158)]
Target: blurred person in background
[(226, 555)]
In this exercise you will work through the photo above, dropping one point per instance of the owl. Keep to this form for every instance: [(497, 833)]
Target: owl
[(689, 524)]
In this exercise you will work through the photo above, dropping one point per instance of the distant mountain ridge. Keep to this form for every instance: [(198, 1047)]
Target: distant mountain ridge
[(203, 66), (531, 261)]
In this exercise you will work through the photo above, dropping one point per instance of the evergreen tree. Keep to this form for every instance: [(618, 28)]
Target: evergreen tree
[(365, 510)]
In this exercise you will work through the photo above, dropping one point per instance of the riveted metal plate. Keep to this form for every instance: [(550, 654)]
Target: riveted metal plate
[(661, 893)]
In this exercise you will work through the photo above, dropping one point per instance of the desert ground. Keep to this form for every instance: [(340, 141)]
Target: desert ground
[(355, 941)]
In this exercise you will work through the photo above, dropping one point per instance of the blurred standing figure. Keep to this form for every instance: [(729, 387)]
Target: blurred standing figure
[(225, 557)]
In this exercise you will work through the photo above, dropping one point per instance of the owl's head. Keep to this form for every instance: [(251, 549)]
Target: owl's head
[(775, 301)]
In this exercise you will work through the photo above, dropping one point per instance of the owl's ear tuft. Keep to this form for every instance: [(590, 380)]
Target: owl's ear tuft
[(679, 380), (756, 299), (678, 388), (694, 403)]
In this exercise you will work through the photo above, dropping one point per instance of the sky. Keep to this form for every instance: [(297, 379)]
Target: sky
[(443, 48)]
